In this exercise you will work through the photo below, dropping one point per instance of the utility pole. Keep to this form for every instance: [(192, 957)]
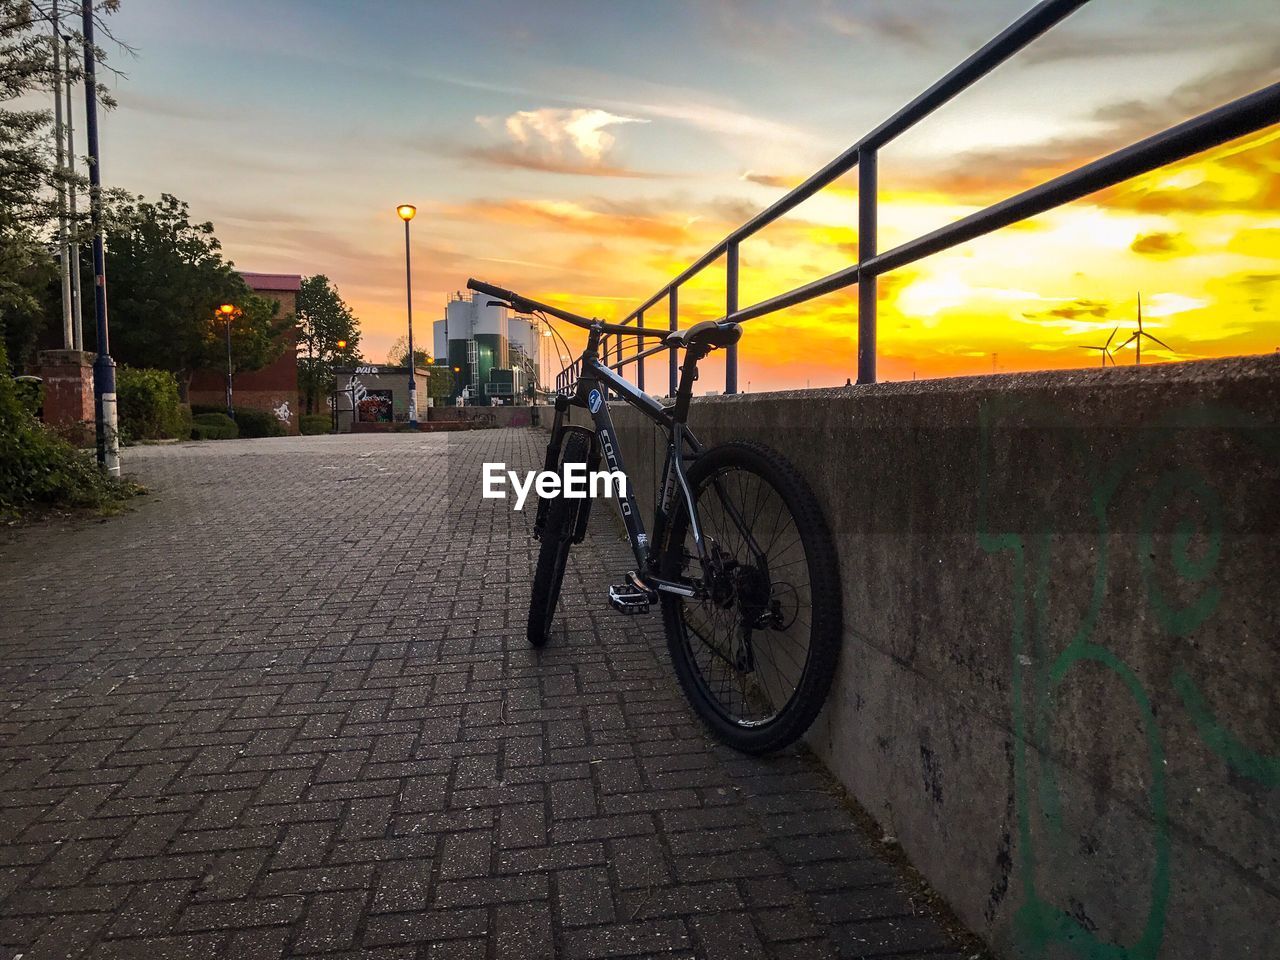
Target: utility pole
[(104, 368), (73, 245), (68, 334)]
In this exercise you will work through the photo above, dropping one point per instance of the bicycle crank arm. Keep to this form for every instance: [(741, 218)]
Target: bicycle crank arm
[(657, 585)]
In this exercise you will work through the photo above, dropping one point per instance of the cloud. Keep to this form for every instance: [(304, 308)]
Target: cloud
[(913, 30), (770, 179), (551, 128), (1075, 310), (1159, 244), (601, 219), (983, 176), (1160, 34), (558, 140), (652, 101), (506, 156), (1169, 304)]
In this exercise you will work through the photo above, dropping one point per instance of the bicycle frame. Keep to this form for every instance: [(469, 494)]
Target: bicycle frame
[(590, 393)]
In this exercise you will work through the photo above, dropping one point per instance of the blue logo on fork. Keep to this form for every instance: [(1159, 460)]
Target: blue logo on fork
[(594, 400)]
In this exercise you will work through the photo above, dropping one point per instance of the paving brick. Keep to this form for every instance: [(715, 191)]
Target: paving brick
[(627, 939), (523, 931), (426, 926), (151, 909), (584, 897), (522, 825), (238, 914), (331, 921), (403, 885), (727, 936), (487, 890)]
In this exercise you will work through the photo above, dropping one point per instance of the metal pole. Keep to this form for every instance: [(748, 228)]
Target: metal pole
[(104, 368), (867, 285), (673, 313), (408, 286), (730, 307), (639, 348), (73, 245), (231, 412), (64, 267)]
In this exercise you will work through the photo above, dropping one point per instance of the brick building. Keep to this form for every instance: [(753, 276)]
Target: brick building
[(275, 386)]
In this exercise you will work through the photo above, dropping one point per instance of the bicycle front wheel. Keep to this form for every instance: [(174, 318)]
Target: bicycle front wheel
[(553, 553), (756, 654)]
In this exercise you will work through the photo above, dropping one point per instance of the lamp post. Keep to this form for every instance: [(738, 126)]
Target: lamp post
[(406, 212), (227, 311)]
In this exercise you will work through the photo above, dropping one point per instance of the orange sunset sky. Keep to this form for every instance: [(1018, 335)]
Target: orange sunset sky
[(585, 152)]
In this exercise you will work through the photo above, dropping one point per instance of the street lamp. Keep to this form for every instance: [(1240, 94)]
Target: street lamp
[(406, 212), (227, 311)]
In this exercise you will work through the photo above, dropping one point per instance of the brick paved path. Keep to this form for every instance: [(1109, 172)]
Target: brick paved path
[(286, 707)]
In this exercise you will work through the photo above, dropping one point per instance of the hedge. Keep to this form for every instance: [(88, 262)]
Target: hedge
[(251, 421), (259, 423), (40, 469), (311, 424), (148, 406), (213, 426)]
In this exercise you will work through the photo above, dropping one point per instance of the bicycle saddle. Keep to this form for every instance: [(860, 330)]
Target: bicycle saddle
[(708, 332)]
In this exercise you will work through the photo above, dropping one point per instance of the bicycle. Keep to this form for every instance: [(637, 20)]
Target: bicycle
[(741, 558)]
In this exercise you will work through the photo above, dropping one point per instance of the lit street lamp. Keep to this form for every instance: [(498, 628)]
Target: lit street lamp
[(227, 311), (407, 212)]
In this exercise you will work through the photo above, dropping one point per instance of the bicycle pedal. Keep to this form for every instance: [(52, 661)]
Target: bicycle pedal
[(629, 600)]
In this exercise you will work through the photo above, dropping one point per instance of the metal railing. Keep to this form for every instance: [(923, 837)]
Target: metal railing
[(1248, 114)]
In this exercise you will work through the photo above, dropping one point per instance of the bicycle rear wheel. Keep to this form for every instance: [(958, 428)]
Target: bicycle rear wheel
[(553, 554), (757, 654)]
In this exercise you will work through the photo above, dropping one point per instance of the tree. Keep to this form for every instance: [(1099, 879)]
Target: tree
[(28, 174), (398, 355), (166, 278), (439, 377), (324, 321)]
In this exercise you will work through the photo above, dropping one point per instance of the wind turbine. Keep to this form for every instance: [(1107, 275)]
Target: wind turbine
[(1105, 348), (1137, 337)]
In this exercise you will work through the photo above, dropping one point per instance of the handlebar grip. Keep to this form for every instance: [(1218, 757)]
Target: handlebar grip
[(488, 288), (519, 303)]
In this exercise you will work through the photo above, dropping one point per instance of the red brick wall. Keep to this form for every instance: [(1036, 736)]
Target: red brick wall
[(68, 387)]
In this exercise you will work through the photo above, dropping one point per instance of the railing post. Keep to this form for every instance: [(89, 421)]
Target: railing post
[(731, 306), (640, 349), (604, 346), (673, 310), (867, 286)]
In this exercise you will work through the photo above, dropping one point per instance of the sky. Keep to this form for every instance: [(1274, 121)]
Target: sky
[(584, 152)]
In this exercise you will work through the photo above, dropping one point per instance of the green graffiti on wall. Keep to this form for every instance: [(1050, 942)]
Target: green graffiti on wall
[(1038, 672)]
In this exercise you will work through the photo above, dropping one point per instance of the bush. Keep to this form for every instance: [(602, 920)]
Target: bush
[(213, 426), (39, 469), (251, 421), (311, 424), (149, 406), (258, 423)]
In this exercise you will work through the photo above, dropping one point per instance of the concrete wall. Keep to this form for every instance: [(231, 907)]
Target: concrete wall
[(1059, 680)]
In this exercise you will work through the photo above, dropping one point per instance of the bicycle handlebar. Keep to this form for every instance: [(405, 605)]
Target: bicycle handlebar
[(525, 305)]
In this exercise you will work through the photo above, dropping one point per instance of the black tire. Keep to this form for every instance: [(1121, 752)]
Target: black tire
[(758, 592), (553, 554)]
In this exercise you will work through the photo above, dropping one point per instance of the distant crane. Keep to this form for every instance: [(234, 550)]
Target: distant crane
[(1136, 338), (1105, 349)]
